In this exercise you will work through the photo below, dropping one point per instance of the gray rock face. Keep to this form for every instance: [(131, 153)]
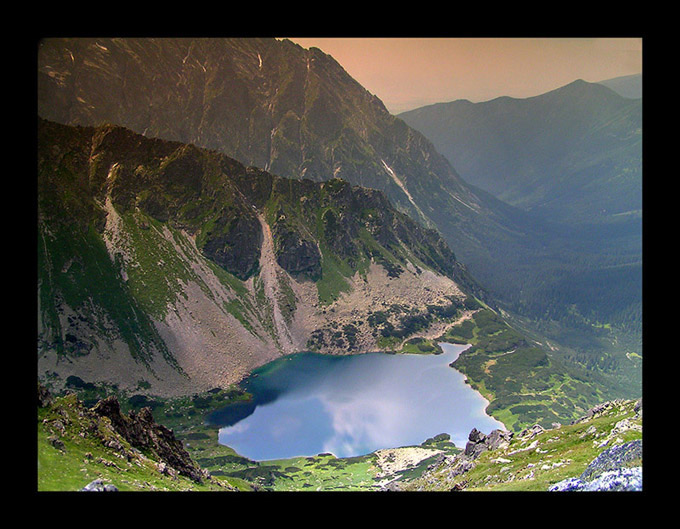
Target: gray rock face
[(143, 433), (99, 486), (498, 439), (530, 433), (480, 442), (616, 469), (614, 458), (624, 479), (298, 256)]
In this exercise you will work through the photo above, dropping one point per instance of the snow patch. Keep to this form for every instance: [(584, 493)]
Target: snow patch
[(401, 185)]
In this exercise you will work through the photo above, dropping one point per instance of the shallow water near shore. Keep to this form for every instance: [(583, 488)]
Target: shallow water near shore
[(308, 403)]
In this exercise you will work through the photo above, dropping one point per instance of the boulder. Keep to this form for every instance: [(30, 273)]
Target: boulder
[(99, 486), (533, 431), (480, 442), (614, 458), (498, 439), (624, 479)]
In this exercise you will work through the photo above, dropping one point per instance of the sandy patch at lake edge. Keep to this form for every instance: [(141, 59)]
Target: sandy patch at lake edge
[(393, 460)]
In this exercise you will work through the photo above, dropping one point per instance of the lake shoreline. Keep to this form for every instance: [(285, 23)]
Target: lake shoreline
[(465, 380), (352, 405)]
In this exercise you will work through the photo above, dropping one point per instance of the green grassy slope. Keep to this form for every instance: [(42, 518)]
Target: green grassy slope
[(76, 447), (536, 461)]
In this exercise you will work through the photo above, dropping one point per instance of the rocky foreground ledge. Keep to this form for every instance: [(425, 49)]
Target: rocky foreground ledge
[(103, 441), (609, 471), (601, 451), (102, 449)]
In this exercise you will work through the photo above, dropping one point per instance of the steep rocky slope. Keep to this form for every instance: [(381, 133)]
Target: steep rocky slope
[(167, 266), (292, 111), (265, 102)]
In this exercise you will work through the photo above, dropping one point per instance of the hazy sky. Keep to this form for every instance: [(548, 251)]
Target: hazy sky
[(406, 73)]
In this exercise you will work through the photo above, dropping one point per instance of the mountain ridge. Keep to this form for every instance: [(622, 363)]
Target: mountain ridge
[(291, 111), (297, 113), (111, 213), (528, 140), (626, 85)]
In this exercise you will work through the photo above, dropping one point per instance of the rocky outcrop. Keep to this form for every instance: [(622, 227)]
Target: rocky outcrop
[(44, 396), (112, 447), (143, 433), (623, 479), (531, 432), (479, 442), (614, 458), (99, 486), (297, 255), (537, 457), (604, 407), (616, 469)]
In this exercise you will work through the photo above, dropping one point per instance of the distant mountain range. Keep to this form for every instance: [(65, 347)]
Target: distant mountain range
[(626, 86), (572, 155), (572, 158)]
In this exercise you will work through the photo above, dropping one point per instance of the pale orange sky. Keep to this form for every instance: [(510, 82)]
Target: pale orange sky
[(407, 73)]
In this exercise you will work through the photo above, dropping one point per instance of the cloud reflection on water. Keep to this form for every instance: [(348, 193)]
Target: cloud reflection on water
[(360, 425), (360, 404)]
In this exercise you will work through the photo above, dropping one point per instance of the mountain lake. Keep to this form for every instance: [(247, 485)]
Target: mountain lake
[(308, 403)]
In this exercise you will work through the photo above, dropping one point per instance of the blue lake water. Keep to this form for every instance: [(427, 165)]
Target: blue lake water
[(306, 404)]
